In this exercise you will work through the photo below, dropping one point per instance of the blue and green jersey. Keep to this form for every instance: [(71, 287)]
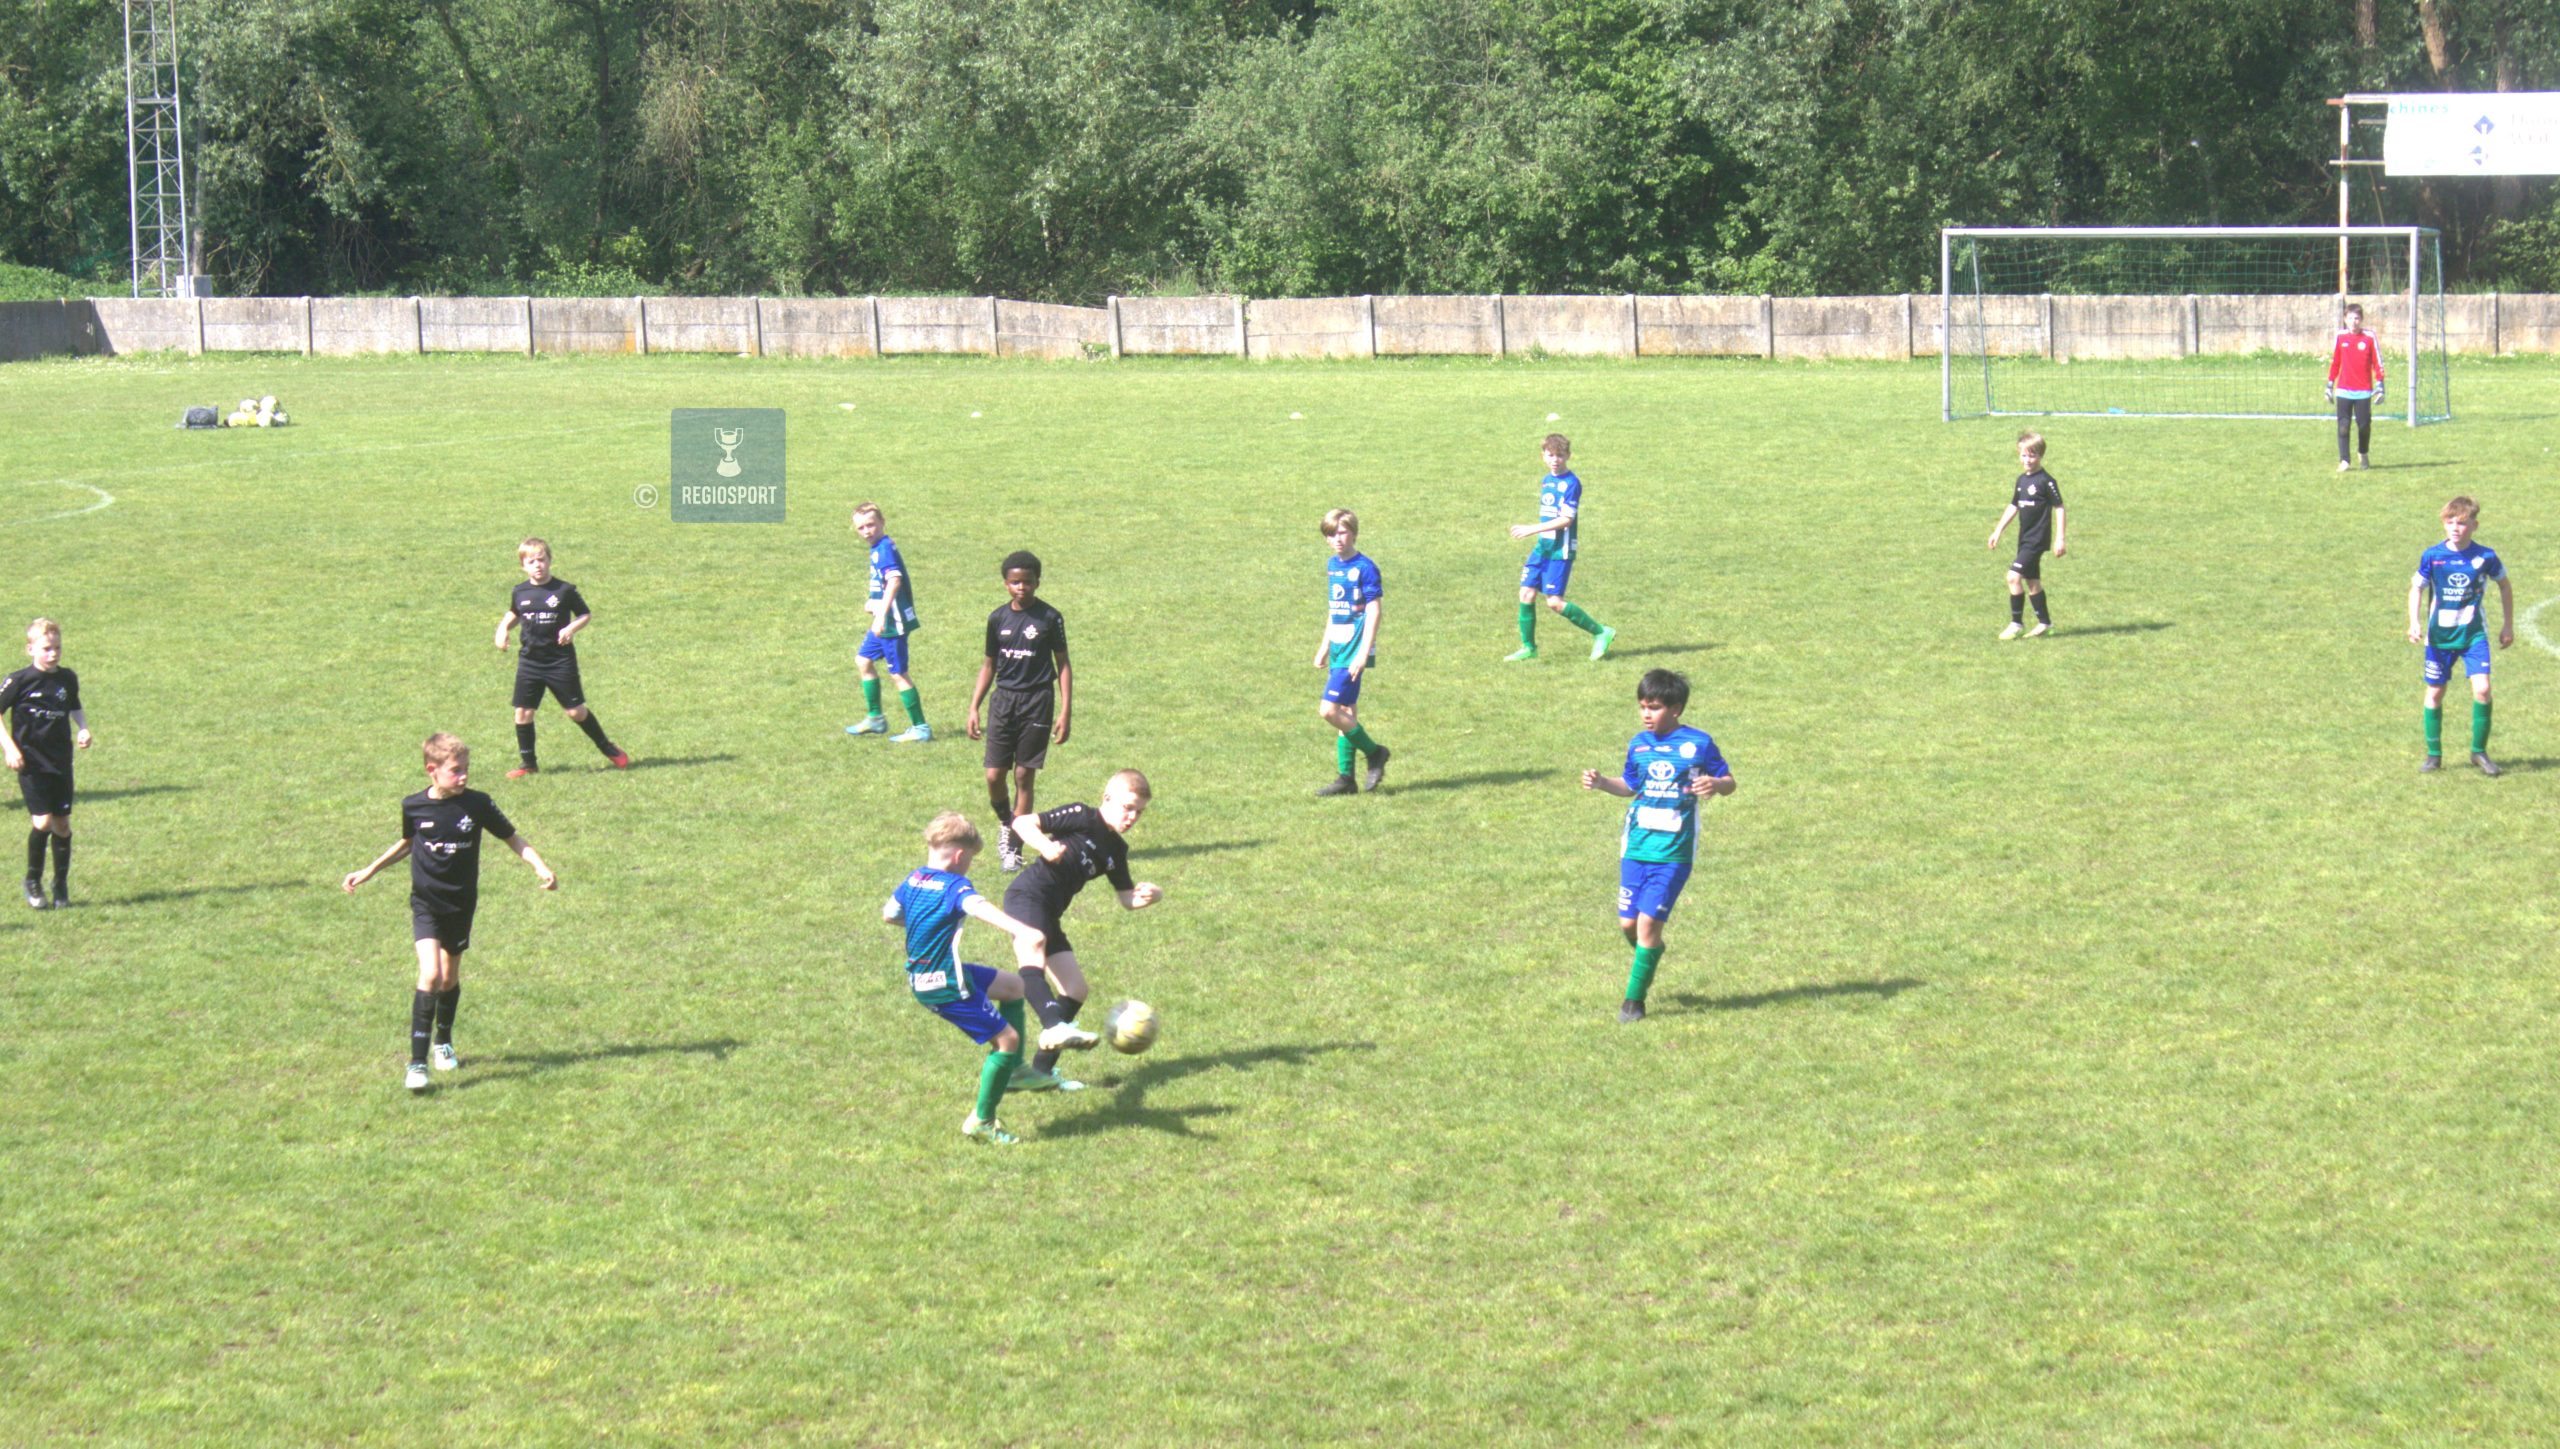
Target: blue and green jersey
[(933, 903), (900, 617), (1559, 496), (1662, 819), (1354, 584), (2457, 582)]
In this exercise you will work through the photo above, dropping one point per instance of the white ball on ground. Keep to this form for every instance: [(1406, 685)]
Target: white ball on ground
[(1130, 1027)]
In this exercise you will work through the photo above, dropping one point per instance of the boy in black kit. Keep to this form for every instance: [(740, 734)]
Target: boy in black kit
[(552, 613), (45, 726), (441, 828), (2036, 502), (1027, 662), (1075, 844)]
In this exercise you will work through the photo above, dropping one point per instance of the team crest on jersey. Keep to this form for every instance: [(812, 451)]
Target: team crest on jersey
[(1030, 631), (2475, 563), (1688, 750), (553, 602), (463, 825)]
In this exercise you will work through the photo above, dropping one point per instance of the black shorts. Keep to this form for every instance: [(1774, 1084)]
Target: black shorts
[(45, 794), (2029, 564), (1032, 908), (1018, 724), (449, 929), (560, 676)]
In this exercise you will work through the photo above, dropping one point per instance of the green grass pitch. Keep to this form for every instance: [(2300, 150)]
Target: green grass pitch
[(2105, 1039)]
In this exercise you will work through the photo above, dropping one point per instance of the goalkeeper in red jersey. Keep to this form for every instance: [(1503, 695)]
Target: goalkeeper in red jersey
[(2355, 383)]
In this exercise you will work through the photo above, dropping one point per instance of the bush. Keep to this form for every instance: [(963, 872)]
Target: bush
[(35, 284)]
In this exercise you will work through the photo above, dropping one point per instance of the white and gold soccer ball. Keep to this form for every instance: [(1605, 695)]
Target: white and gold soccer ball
[(1130, 1027)]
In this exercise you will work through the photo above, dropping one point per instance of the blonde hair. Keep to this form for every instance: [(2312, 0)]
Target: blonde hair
[(1131, 782), (2033, 443), (873, 509), (533, 546), (1340, 520), (46, 628), (2462, 508), (442, 748), (950, 829), (1558, 444)]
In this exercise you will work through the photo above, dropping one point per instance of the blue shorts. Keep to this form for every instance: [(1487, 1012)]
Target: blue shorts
[(1340, 688), (890, 650), (2475, 661), (973, 1013), (1650, 887), (1546, 575)]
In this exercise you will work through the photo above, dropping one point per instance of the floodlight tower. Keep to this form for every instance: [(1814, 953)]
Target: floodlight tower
[(155, 151)]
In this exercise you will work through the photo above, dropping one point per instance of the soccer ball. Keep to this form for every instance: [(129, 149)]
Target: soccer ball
[(1130, 1027)]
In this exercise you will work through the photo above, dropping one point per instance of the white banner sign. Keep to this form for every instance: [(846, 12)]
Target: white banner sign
[(2516, 133)]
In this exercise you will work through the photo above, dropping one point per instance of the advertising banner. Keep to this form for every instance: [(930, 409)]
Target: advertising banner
[(2515, 133)]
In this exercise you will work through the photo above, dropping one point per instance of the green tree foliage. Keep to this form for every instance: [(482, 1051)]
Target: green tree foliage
[(1048, 149)]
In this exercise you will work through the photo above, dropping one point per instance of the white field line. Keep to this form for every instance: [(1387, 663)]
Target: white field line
[(2533, 627), (103, 499)]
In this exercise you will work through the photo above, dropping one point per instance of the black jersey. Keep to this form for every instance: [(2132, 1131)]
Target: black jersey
[(1027, 645), (2035, 498), (40, 706), (1094, 850), (444, 847), (544, 609)]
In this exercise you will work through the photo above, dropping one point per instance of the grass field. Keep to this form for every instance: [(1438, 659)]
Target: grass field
[(2105, 1039)]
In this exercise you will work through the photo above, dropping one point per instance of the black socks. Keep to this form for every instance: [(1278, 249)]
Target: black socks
[(1035, 989), (35, 853), (447, 1002), (2043, 614), (524, 746), (422, 1018), (1068, 1006), (61, 864), (595, 732), (2017, 608)]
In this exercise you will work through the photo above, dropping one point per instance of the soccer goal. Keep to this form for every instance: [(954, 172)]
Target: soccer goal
[(2183, 322)]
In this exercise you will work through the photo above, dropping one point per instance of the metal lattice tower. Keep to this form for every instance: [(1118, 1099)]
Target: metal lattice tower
[(155, 149)]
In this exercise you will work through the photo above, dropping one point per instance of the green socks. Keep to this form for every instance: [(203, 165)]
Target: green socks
[(2435, 730), (871, 697), (1573, 615), (1359, 740), (2479, 726), (1342, 754), (1640, 975), (997, 1073), (913, 706), (1528, 626)]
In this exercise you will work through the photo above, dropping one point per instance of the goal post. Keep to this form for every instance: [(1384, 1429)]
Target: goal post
[(2194, 322)]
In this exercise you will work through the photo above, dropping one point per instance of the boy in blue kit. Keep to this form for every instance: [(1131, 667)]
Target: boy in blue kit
[(985, 1003), (43, 725), (1670, 767), (892, 604), (1348, 649), (2444, 618), (1558, 534)]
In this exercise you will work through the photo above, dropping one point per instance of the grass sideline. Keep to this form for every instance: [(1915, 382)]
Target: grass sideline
[(2110, 1038)]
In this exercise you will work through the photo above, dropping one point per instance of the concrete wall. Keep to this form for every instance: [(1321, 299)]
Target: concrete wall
[(1571, 326), (49, 329), (1160, 326), (1307, 327), (254, 324), (1888, 327), (819, 327), (474, 324), (1439, 326), (347, 326), (586, 324), (1041, 329), (702, 324)]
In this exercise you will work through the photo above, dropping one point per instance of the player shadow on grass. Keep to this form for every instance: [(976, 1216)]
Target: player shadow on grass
[(510, 1065), (1206, 847), (2528, 764), (188, 893), (1643, 651), (1127, 1104), (1696, 1001), (1469, 782), (91, 797), (2084, 631), (678, 762)]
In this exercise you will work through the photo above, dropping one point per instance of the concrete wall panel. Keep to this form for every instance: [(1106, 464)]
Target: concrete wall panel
[(1040, 329), (701, 324), (1436, 326), (936, 324), (2090, 329), (1569, 326), (146, 324), (348, 326), (1307, 326), (1822, 327), (817, 326), (253, 324), (472, 324), (1698, 326), (49, 329), (2529, 322), (1155, 326), (584, 324)]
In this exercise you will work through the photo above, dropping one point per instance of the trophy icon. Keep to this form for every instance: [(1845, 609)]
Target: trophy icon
[(729, 439)]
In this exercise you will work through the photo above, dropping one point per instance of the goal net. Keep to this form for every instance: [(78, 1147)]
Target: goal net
[(2191, 322)]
